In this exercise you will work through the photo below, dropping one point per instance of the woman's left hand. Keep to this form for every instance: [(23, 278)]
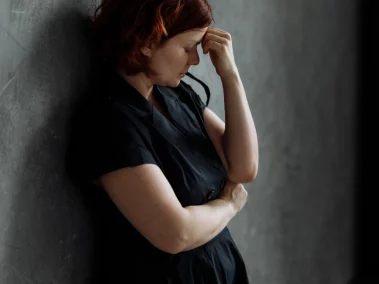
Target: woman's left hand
[(219, 45)]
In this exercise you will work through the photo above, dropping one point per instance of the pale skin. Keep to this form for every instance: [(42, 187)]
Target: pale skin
[(144, 195)]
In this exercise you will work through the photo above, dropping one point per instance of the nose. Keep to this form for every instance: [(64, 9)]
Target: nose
[(194, 58)]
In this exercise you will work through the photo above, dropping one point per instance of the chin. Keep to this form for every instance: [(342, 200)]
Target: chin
[(177, 83), (173, 83)]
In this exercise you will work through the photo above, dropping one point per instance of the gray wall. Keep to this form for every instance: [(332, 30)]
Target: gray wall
[(297, 61)]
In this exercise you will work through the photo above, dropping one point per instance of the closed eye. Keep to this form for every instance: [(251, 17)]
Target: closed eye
[(190, 48)]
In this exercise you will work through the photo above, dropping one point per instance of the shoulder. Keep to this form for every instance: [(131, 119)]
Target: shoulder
[(101, 122)]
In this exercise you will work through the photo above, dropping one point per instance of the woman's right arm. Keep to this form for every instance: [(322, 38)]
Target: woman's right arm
[(208, 220), (145, 197)]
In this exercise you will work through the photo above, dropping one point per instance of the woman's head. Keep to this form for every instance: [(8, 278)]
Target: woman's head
[(156, 37)]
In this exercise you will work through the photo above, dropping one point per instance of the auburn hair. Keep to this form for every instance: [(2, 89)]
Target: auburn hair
[(123, 27)]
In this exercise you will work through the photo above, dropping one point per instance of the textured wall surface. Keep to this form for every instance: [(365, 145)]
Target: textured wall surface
[(297, 60)]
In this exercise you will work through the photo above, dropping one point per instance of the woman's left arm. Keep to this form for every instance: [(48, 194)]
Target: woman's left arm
[(237, 137), (240, 136), (236, 141)]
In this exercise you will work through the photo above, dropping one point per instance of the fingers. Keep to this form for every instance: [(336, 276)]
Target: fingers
[(209, 41), (215, 35), (220, 33), (216, 38), (212, 45)]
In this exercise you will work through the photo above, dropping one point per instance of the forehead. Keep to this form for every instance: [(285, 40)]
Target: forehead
[(194, 35)]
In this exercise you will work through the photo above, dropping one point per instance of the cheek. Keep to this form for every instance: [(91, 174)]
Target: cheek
[(177, 58)]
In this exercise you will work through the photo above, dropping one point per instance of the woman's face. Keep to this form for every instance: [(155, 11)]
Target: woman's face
[(175, 57)]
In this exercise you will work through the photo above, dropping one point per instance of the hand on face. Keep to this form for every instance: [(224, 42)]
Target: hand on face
[(218, 44)]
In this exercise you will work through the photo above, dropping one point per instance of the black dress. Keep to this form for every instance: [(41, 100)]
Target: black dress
[(119, 128)]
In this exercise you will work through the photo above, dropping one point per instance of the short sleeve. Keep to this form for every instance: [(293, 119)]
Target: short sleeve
[(104, 141)]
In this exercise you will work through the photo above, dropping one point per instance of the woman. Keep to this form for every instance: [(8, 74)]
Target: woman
[(168, 177)]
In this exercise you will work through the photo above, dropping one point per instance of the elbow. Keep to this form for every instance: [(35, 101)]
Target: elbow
[(182, 240), (174, 242), (174, 246), (171, 250), (253, 174), (241, 179), (169, 245), (243, 176)]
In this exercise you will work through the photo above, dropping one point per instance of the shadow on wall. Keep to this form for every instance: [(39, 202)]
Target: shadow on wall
[(47, 235)]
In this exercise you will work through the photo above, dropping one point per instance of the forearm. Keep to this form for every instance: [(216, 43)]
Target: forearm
[(202, 223), (240, 136)]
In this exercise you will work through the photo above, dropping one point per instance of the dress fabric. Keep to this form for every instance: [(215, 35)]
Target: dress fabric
[(119, 128)]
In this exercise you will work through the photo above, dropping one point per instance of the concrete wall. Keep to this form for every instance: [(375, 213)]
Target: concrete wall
[(297, 60)]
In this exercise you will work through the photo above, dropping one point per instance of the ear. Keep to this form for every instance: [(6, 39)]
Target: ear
[(146, 51)]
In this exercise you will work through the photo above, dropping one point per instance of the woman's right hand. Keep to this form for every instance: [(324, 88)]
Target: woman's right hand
[(235, 193)]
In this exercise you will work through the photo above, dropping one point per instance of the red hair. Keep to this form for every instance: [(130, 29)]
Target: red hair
[(123, 27)]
